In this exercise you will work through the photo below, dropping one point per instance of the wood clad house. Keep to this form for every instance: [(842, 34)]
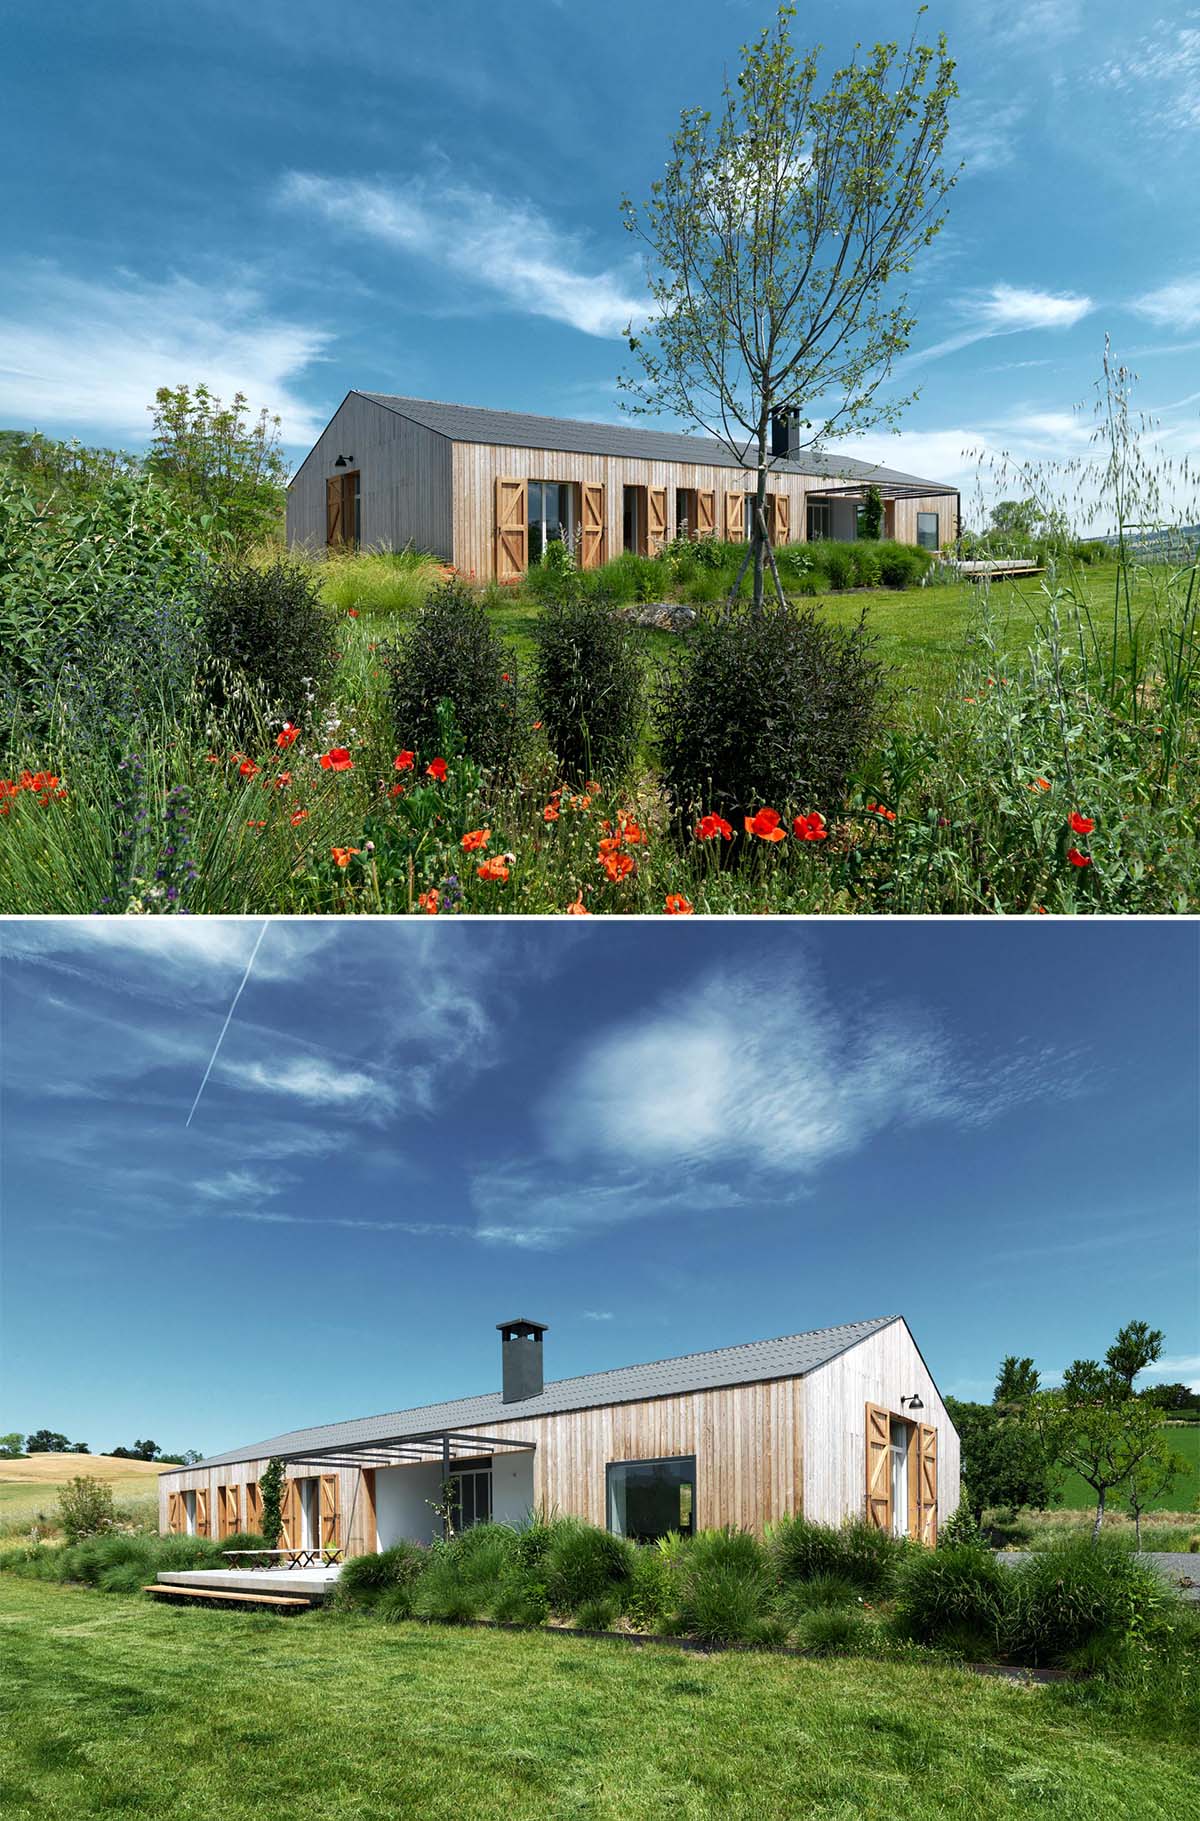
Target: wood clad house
[(487, 491), (836, 1423)]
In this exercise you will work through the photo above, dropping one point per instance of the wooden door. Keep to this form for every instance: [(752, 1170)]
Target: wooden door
[(656, 520), (512, 529), (202, 1528), (176, 1513), (706, 514), (927, 1484), (591, 540), (879, 1468), (781, 519), (253, 1508), (290, 1528), (331, 1516), (735, 516), (227, 1510), (335, 513)]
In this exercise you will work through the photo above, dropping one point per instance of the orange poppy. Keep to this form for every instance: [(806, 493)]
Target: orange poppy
[(436, 769), (494, 869), (338, 759), (288, 735), (342, 856), (428, 902), (677, 906), (478, 837), (577, 908), (765, 824), (617, 866), (404, 761)]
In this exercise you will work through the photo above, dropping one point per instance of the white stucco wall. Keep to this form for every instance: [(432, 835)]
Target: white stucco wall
[(512, 1488), (401, 1512)]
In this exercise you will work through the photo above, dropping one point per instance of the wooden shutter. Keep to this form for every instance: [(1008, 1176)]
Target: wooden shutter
[(591, 543), (656, 520), (253, 1508), (335, 521), (289, 1513), (781, 519), (202, 1528), (331, 1516), (706, 514), (735, 516), (370, 1526), (228, 1509), (512, 529), (879, 1468), (176, 1513), (927, 1484)]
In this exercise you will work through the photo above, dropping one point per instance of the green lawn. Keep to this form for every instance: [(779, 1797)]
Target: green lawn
[(1184, 1438), (112, 1705)]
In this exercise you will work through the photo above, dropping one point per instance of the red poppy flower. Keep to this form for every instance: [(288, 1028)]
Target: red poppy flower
[(677, 906), (549, 814), (631, 834), (397, 790), (617, 866), (249, 769), (809, 828), (537, 727), (342, 856), (504, 677), (493, 870), (766, 825), (437, 769), (577, 908), (609, 845), (428, 902), (284, 778), (404, 761), (338, 759), (352, 613), (709, 827), (877, 809), (1076, 858), (1080, 825), (478, 837), (256, 825), (297, 816), (1040, 784), (287, 736)]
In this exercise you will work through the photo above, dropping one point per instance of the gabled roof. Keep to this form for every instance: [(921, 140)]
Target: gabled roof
[(789, 1356), (519, 430)]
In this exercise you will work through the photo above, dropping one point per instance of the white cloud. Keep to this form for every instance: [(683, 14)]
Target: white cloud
[(984, 134), (1165, 62), (1172, 306), (597, 1315), (534, 1209), (238, 1185), (1042, 22), (1008, 307), (502, 244), (314, 1081), (91, 352)]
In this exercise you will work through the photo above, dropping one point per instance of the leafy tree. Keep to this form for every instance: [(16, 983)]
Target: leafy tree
[(773, 237), (146, 1451), (1004, 1464), (79, 1448), (1171, 1397), (1136, 1347), (226, 467), (271, 1487), (11, 1446), (1016, 518), (68, 468), (1016, 1382), (46, 1441), (85, 1508), (1153, 1476), (1094, 1428)]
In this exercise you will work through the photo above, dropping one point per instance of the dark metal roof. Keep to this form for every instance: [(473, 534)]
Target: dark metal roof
[(789, 1356), (519, 430)]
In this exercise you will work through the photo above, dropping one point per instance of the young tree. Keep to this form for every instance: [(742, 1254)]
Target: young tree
[(11, 1446), (1136, 1347), (1094, 1428), (226, 468), (872, 514), (773, 238), (1016, 1381), (1150, 1479), (271, 1487)]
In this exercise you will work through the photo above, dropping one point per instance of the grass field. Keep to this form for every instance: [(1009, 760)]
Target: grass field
[(1184, 1438), (29, 1488), (116, 1706)]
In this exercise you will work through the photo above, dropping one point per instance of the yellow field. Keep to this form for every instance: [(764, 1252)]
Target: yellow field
[(29, 1488)]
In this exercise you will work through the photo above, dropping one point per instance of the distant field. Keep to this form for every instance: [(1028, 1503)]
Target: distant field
[(29, 1488), (1185, 1440)]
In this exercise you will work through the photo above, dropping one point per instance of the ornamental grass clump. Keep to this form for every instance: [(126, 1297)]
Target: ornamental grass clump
[(583, 1563), (773, 709), (365, 1579), (1079, 1596), (959, 1594), (451, 655), (724, 1590), (587, 687)]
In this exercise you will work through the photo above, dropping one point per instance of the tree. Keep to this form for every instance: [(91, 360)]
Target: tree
[(11, 1446), (46, 1441), (1171, 1397), (145, 1451), (1094, 1428), (773, 238), (1003, 1462), (1154, 1475), (85, 1508), (1016, 1381), (1136, 1347), (1016, 518), (226, 468), (271, 1487), (79, 1448), (871, 522)]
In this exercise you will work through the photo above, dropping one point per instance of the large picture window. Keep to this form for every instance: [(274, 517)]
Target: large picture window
[(820, 520), (470, 1497), (646, 1499), (551, 516), (927, 530)]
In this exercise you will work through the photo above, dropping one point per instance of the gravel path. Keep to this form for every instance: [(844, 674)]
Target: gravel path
[(1174, 1565)]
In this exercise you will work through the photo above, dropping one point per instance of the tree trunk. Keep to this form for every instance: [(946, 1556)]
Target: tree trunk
[(1137, 1527), (760, 508), (1099, 1514)]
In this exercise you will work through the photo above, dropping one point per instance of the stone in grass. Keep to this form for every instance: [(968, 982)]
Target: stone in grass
[(663, 616)]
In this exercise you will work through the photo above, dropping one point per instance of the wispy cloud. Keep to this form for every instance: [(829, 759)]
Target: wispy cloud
[(1172, 306), (597, 1314), (1002, 309), (87, 352), (503, 245), (1040, 22), (316, 1082), (532, 1207), (984, 134), (1163, 69)]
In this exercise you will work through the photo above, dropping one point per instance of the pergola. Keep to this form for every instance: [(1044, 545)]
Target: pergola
[(446, 1445), (887, 490)]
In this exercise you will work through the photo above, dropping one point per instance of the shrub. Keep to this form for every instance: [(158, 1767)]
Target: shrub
[(801, 1550), (588, 687), (901, 565), (451, 654), (866, 565), (650, 1593), (727, 1548), (722, 1601), (519, 1600), (598, 1614), (798, 1597), (1075, 1594), (393, 1604), (244, 1539), (268, 627), (775, 709), (960, 1527), (829, 1631), (839, 564), (584, 1563), (553, 577), (366, 1578), (85, 1508), (961, 1588)]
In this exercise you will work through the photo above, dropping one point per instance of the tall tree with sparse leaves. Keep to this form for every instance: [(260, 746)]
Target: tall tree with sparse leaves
[(1137, 1346), (224, 466), (774, 239)]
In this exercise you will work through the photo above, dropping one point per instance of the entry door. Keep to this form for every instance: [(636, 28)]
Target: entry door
[(634, 517), (341, 510), (900, 1437)]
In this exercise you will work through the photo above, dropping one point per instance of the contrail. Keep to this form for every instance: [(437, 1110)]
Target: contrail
[(229, 1014)]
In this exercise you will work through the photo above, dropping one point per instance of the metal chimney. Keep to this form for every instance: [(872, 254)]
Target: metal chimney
[(521, 1357), (785, 433)]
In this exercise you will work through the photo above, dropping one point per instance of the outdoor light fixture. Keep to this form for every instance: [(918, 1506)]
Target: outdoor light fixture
[(340, 462), (914, 1403)]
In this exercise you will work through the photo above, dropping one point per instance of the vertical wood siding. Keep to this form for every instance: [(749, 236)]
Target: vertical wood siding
[(405, 481), (880, 1370)]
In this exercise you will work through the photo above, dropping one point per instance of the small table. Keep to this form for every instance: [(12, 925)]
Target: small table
[(325, 1555)]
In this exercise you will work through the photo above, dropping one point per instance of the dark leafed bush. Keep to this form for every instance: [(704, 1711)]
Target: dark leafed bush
[(266, 628), (451, 654), (962, 1590), (588, 686), (775, 709), (584, 1563), (1078, 1594)]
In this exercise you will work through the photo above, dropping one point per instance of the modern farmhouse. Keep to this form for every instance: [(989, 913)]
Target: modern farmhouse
[(836, 1423), (487, 491)]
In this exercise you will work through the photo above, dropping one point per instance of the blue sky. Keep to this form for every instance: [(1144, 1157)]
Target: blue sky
[(296, 199), (655, 1139)]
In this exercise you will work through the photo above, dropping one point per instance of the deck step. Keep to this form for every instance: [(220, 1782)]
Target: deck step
[(220, 1593)]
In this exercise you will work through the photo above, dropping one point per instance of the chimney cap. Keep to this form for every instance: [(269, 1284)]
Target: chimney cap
[(520, 1324)]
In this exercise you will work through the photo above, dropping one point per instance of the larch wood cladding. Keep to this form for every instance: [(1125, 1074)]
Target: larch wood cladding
[(880, 1371), (404, 481)]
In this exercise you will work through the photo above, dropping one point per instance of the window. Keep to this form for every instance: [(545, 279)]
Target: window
[(189, 1513), (551, 516), (927, 530), (899, 1436), (820, 520), (634, 506), (685, 512), (470, 1498), (646, 1499)]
